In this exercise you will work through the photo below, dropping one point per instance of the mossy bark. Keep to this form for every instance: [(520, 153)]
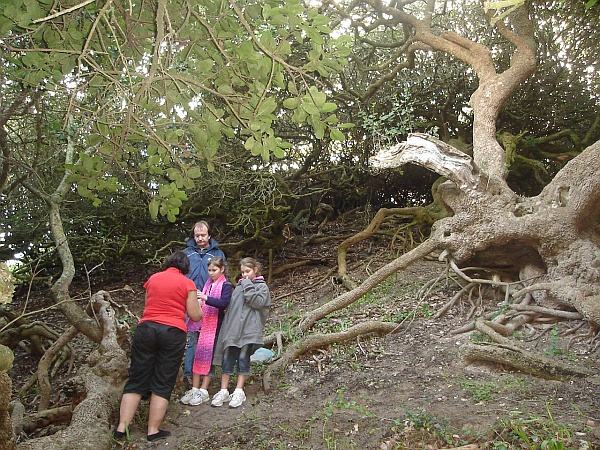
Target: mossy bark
[(6, 431)]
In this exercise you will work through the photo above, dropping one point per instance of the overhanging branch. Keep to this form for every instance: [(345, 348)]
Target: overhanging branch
[(433, 154)]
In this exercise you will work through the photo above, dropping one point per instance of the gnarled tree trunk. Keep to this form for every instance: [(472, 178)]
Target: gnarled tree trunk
[(6, 430), (549, 242), (102, 383)]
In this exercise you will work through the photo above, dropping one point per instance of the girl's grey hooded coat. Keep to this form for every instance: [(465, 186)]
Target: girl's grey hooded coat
[(245, 317)]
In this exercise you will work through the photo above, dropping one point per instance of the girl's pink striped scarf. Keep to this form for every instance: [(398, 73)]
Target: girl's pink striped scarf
[(208, 329)]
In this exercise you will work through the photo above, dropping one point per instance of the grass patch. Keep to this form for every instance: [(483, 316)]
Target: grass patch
[(534, 432), (486, 391)]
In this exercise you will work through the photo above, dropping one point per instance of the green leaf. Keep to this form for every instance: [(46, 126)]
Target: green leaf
[(332, 119), (32, 59), (291, 103), (292, 88), (319, 19), (5, 26), (328, 107), (253, 11), (310, 108), (319, 128), (265, 154), (336, 135), (319, 98), (83, 191), (267, 106), (266, 11), (249, 144), (205, 65), (87, 162), (210, 151), (12, 11), (225, 89), (94, 139), (246, 50), (194, 172)]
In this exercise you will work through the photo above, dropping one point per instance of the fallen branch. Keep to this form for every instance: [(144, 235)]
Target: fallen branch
[(319, 340), (505, 351), (433, 154)]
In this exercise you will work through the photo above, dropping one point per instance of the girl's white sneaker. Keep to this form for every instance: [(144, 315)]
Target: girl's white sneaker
[(237, 398), (220, 397)]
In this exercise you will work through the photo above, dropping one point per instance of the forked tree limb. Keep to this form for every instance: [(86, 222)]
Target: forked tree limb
[(377, 220), (319, 340), (44, 365)]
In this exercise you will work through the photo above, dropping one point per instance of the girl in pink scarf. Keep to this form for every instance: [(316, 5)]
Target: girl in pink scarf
[(215, 297)]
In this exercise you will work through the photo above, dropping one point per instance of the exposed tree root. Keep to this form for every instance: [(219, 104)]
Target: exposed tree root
[(454, 299), (547, 311), (46, 417), (504, 351), (347, 298), (319, 340), (44, 365)]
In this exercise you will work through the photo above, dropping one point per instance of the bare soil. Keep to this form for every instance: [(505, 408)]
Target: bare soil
[(407, 390)]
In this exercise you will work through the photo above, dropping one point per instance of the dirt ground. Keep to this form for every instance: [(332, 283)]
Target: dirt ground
[(407, 390)]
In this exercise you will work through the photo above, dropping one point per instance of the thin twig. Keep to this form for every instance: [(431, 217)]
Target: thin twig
[(62, 12)]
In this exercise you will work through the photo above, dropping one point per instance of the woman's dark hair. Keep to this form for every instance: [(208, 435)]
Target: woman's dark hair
[(179, 260)]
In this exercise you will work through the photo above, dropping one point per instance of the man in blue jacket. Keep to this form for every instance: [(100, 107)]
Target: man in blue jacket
[(200, 249)]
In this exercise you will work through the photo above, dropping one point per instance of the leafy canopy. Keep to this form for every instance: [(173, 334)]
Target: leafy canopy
[(156, 85)]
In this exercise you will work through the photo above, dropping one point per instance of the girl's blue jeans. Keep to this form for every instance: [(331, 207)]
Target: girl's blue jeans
[(239, 355)]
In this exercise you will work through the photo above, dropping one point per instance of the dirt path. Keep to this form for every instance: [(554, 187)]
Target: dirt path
[(409, 390)]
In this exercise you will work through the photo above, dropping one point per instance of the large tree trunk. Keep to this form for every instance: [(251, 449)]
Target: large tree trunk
[(102, 383), (7, 437), (549, 242)]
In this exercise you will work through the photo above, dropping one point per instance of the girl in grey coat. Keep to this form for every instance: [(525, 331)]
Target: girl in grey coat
[(241, 332)]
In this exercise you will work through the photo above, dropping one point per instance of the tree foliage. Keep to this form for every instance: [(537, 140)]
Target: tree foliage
[(152, 89)]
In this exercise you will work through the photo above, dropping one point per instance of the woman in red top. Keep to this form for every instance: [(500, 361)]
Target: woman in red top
[(158, 344)]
